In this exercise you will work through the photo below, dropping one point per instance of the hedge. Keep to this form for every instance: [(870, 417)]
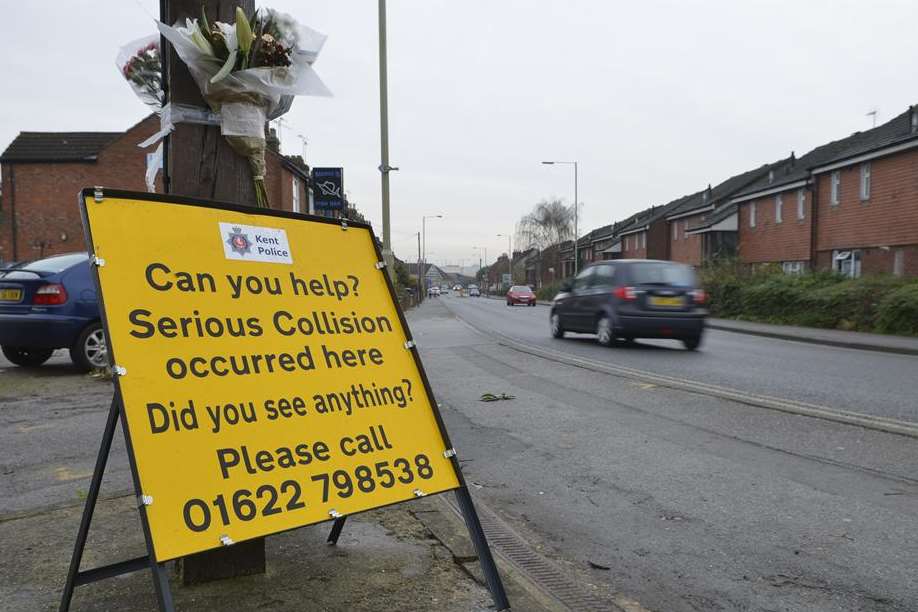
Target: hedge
[(881, 303)]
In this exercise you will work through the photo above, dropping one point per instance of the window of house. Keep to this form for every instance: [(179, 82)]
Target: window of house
[(675, 230), (643, 240), (296, 194), (793, 267), (801, 203), (865, 181), (779, 209), (684, 228), (847, 263), (835, 193), (752, 214)]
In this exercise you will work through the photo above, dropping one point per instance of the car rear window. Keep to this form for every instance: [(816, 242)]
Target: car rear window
[(520, 289), (660, 273), (53, 265)]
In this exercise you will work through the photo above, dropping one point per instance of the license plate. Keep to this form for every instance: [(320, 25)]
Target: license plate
[(10, 295), (665, 301)]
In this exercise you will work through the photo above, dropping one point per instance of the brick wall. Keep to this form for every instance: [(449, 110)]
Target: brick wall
[(888, 218), (633, 246), (683, 247), (770, 241), (47, 214)]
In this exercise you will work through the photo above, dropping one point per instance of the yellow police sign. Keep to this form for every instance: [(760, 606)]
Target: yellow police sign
[(267, 376)]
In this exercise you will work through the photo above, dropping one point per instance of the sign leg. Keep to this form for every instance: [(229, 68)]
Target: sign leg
[(161, 586), (336, 530), (90, 505), (488, 567)]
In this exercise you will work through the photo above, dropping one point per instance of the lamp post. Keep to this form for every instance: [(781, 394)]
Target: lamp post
[(574, 164), (384, 167), (509, 255), (424, 238)]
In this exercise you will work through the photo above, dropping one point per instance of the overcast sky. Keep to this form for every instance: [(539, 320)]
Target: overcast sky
[(654, 99)]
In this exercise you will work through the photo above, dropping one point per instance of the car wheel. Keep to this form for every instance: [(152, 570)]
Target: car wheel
[(509, 303), (556, 330), (27, 357), (604, 333), (692, 342), (90, 351)]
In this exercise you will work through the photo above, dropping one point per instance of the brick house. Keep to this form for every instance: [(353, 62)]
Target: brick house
[(866, 214), (699, 224), (645, 235), (42, 173)]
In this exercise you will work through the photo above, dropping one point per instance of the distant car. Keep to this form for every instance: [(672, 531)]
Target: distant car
[(50, 304), (474, 291), (632, 298), (433, 292), (457, 287), (521, 294), (444, 289)]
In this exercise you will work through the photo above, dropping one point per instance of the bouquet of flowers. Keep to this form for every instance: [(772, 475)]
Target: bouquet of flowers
[(249, 71), (140, 62)]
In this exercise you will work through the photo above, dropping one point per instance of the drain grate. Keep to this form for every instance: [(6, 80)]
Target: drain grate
[(509, 545)]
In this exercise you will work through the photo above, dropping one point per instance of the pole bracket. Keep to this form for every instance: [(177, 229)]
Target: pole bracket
[(386, 169), (97, 193), (144, 500), (118, 370), (380, 265), (97, 261), (409, 344), (450, 452), (334, 513)]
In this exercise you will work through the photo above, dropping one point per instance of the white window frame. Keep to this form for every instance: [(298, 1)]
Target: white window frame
[(847, 262), (793, 267), (865, 181), (643, 240), (752, 214), (835, 188), (801, 204), (675, 230), (295, 184), (685, 228), (779, 209)]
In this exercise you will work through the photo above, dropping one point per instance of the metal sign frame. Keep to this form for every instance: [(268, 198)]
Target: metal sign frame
[(77, 577)]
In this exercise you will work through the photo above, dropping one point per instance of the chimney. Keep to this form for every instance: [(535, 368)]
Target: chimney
[(272, 141)]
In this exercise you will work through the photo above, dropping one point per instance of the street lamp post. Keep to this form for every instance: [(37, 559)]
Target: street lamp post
[(574, 164), (509, 255), (480, 264), (424, 238)]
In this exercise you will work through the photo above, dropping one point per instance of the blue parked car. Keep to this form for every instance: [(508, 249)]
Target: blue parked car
[(50, 304)]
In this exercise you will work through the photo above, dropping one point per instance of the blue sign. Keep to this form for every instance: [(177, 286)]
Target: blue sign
[(328, 188)]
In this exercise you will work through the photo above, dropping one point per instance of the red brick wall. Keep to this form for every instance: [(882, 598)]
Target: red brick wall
[(685, 249), (770, 241), (889, 217), (630, 248), (879, 261), (47, 215)]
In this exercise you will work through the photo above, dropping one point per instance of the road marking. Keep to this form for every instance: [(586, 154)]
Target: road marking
[(817, 411)]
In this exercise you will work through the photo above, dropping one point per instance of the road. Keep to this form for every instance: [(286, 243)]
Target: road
[(693, 501)]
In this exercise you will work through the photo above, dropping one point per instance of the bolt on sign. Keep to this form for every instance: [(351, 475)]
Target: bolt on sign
[(265, 376)]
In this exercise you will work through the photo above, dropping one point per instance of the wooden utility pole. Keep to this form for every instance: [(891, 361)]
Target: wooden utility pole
[(200, 163)]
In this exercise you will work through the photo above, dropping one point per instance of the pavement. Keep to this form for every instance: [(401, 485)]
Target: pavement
[(906, 345), (683, 499), (412, 556)]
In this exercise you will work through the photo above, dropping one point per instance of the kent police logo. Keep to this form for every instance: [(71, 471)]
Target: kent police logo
[(239, 242)]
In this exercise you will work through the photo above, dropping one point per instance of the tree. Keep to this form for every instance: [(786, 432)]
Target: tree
[(550, 222)]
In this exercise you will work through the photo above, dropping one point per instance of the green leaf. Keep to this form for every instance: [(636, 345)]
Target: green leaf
[(226, 69)]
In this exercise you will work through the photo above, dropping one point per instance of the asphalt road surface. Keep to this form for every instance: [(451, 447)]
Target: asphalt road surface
[(692, 502)]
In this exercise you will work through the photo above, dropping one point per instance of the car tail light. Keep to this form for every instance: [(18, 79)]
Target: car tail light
[(625, 293), (50, 295), (699, 296)]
